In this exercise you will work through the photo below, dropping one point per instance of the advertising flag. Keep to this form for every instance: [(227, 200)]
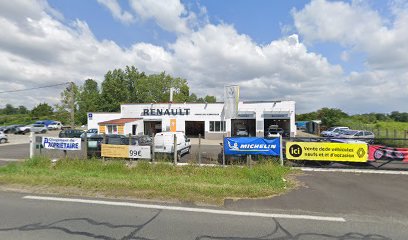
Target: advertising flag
[(231, 99)]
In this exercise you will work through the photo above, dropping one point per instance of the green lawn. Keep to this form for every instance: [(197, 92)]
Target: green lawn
[(148, 181)]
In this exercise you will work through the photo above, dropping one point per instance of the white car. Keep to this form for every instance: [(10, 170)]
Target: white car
[(3, 137), (331, 132), (55, 126), (37, 128), (164, 143), (242, 132)]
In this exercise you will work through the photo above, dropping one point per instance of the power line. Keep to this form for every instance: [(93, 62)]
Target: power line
[(27, 89)]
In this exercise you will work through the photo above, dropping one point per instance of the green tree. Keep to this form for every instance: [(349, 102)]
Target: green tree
[(9, 110), (331, 116), (210, 99), (42, 110), (22, 110), (88, 100), (114, 91)]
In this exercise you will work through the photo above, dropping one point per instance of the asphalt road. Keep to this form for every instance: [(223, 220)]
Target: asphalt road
[(38, 219)]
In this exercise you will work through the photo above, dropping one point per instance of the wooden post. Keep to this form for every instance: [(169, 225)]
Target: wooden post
[(130, 143), (280, 151), (223, 152), (86, 145), (175, 149), (199, 148), (103, 142), (32, 144), (153, 155)]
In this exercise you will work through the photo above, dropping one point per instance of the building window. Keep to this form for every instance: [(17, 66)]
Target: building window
[(112, 129), (217, 126)]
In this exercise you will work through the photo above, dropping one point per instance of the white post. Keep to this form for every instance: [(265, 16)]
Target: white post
[(32, 144)]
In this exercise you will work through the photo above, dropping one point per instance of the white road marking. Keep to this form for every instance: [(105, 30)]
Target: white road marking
[(11, 160), (188, 209), (392, 172)]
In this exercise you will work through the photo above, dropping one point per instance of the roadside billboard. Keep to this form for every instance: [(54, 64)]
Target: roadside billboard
[(71, 144), (321, 151), (251, 146), (125, 151)]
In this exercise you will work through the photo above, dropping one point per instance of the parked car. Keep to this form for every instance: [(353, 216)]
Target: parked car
[(70, 133), (36, 128), (45, 122), (55, 125), (242, 132), (11, 128), (271, 132), (359, 134), (3, 137), (164, 143), (332, 131), (89, 133)]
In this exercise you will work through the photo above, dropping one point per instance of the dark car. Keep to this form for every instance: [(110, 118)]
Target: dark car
[(11, 128), (95, 142), (70, 133)]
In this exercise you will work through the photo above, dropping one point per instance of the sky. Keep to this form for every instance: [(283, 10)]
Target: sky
[(350, 55)]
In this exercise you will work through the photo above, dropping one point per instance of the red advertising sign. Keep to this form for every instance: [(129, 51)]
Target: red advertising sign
[(378, 152)]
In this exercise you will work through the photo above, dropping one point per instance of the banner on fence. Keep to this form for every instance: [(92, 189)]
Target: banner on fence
[(139, 152), (336, 152), (378, 152), (72, 144), (125, 151), (252, 146)]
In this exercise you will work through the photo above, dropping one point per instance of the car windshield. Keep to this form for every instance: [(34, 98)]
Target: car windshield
[(350, 132), (330, 129)]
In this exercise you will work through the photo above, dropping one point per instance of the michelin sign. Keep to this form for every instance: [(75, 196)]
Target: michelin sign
[(252, 146), (61, 143)]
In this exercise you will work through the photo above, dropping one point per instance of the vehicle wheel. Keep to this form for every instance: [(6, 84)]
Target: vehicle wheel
[(3, 140), (189, 150), (43, 131)]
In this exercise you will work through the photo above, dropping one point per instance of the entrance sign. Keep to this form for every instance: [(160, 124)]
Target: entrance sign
[(252, 146), (72, 144), (335, 152), (231, 100)]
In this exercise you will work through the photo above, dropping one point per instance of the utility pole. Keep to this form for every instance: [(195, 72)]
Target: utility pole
[(72, 105)]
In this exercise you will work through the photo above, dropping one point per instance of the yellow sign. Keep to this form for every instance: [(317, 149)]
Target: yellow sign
[(173, 125), (117, 151), (336, 152)]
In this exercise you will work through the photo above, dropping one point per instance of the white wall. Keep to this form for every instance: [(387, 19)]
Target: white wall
[(100, 117)]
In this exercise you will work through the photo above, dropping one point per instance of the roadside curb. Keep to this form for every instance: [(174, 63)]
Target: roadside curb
[(390, 172)]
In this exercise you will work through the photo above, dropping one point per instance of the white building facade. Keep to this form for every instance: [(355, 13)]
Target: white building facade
[(205, 119)]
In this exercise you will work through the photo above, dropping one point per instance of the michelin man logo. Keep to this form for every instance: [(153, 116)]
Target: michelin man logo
[(233, 147)]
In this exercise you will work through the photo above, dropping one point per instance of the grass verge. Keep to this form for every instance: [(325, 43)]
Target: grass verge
[(159, 181)]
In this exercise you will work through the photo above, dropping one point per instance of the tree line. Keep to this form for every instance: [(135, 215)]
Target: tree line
[(119, 86), (334, 116)]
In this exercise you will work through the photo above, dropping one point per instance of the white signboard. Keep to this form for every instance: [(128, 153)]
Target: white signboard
[(61, 143), (231, 99), (139, 152)]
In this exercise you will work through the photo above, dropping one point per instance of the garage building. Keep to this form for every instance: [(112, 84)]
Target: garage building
[(206, 119)]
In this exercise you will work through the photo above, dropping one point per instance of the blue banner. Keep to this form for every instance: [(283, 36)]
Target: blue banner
[(251, 146)]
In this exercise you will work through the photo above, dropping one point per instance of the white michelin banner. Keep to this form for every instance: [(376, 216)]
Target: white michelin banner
[(61, 143), (231, 100)]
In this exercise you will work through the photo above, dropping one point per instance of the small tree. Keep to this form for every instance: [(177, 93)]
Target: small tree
[(42, 109)]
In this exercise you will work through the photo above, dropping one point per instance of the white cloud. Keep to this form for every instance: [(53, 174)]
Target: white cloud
[(170, 15), (117, 12), (40, 50)]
